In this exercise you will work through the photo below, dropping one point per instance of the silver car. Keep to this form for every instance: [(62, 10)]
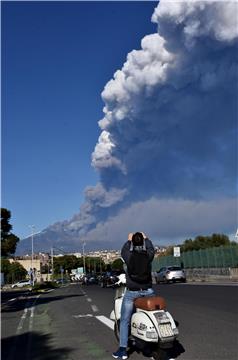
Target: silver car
[(21, 283), (171, 274)]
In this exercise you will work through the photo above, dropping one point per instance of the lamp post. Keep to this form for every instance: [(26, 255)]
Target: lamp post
[(32, 227), (84, 266)]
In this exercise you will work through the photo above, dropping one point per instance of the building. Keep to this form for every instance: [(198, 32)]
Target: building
[(39, 263)]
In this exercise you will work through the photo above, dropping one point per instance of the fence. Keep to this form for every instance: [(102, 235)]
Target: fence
[(216, 257)]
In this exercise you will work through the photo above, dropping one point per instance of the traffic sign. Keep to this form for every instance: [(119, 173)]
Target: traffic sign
[(176, 251)]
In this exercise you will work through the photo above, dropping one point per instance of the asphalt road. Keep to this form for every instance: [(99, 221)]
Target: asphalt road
[(72, 323)]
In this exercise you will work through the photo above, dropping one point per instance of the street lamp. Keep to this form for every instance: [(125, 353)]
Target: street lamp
[(84, 267), (32, 227)]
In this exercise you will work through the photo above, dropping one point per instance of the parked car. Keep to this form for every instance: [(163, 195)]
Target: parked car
[(60, 281), (90, 279), (171, 274), (21, 283)]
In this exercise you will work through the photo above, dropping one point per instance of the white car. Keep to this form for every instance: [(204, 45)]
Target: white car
[(22, 283), (171, 273)]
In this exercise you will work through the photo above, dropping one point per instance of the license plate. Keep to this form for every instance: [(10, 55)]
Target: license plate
[(166, 330)]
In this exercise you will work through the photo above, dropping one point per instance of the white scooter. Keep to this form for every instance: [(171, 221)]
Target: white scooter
[(150, 325)]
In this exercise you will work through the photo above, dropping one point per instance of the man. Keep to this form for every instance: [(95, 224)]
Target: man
[(138, 253)]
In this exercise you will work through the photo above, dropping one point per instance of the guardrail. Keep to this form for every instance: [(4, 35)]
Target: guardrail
[(216, 257), (212, 274)]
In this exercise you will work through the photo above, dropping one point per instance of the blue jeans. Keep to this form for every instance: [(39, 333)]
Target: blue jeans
[(127, 310)]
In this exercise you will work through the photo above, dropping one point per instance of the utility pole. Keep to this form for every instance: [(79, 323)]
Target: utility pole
[(32, 253), (100, 265), (52, 263), (84, 266)]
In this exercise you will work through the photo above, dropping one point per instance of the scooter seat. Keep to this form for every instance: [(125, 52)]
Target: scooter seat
[(150, 303)]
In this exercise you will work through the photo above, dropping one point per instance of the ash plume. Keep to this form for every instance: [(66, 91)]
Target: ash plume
[(167, 153)]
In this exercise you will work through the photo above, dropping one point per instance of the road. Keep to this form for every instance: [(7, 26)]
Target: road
[(72, 323)]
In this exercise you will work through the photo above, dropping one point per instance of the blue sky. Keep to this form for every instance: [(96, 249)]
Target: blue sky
[(164, 152), (56, 59)]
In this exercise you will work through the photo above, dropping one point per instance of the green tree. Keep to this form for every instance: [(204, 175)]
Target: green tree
[(117, 264), (67, 262), (94, 264), (205, 242), (12, 271), (8, 240)]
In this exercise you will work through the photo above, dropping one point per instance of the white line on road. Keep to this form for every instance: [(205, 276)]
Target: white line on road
[(89, 300), (31, 318), (82, 316), (106, 321), (94, 308), (12, 299), (20, 325), (23, 317)]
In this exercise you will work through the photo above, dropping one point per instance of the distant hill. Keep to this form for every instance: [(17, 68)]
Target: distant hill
[(60, 238)]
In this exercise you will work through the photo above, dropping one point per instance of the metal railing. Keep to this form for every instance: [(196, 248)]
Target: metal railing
[(216, 257)]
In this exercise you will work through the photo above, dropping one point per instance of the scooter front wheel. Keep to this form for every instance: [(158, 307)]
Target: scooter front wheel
[(160, 354)]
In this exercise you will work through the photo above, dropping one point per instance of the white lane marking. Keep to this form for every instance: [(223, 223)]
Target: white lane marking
[(31, 318), (32, 309), (89, 300), (20, 325), (106, 321), (11, 300), (94, 308), (24, 315), (82, 316)]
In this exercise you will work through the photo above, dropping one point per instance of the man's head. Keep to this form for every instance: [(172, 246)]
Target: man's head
[(138, 239)]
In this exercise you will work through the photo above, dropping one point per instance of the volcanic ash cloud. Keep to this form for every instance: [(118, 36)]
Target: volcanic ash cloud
[(169, 130)]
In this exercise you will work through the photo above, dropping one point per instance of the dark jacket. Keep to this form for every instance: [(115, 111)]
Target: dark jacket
[(126, 253)]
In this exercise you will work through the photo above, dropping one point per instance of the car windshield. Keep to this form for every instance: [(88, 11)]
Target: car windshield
[(174, 268)]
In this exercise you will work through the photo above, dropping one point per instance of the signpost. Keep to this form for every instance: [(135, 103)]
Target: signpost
[(176, 251), (62, 272), (80, 270)]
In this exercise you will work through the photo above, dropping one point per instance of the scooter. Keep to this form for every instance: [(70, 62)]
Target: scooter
[(152, 326)]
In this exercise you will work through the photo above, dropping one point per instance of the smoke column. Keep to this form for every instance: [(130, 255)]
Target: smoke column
[(167, 153)]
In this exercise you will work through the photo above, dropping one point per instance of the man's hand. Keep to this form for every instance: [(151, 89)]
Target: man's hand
[(130, 236), (144, 236)]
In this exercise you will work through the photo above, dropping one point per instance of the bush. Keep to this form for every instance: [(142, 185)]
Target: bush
[(45, 285)]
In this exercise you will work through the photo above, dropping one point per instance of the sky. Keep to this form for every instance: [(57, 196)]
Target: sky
[(120, 117), (56, 59)]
